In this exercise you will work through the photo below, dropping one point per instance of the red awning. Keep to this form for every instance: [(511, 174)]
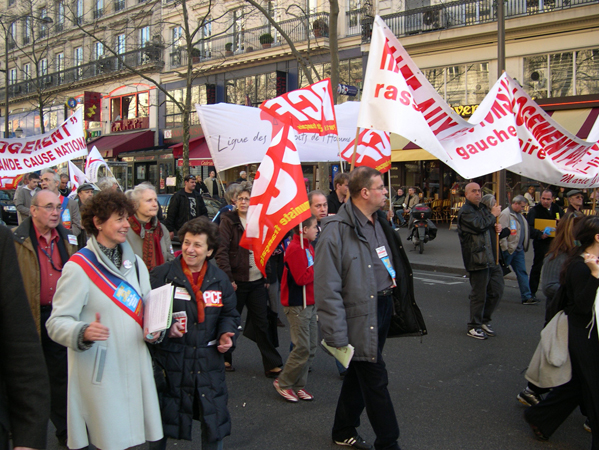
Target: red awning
[(199, 154), (113, 144)]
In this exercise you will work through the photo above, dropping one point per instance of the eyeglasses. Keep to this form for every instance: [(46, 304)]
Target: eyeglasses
[(243, 199), (49, 208)]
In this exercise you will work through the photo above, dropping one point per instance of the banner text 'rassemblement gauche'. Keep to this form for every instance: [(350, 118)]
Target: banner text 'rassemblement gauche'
[(508, 130), (38, 152)]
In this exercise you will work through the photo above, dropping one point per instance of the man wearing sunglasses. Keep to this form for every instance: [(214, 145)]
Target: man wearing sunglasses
[(43, 247)]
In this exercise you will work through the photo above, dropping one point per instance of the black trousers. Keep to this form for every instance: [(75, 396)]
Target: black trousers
[(56, 362), (365, 386), (254, 295), (541, 247), (487, 289), (582, 389)]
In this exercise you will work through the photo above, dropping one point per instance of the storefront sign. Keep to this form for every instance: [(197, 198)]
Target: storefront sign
[(139, 123)]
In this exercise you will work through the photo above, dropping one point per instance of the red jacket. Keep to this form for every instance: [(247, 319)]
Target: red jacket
[(297, 274)]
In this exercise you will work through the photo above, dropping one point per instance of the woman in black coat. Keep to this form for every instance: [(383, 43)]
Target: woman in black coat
[(189, 362)]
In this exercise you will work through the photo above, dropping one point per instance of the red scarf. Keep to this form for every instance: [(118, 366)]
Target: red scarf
[(197, 286), (152, 252)]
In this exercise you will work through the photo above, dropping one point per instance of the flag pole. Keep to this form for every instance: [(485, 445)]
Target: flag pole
[(339, 149), (301, 228), (353, 156)]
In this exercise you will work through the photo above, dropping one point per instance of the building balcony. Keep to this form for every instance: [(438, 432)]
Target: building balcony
[(300, 30), (145, 59), (463, 13)]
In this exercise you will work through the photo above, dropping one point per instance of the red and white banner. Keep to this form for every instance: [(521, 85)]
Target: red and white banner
[(279, 200), (77, 178), (508, 130), (93, 163), (34, 153), (307, 110), (373, 150), (8, 183)]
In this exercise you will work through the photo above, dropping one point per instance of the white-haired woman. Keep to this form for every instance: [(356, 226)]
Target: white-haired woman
[(149, 239)]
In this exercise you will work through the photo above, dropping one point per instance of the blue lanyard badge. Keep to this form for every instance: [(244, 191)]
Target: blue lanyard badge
[(310, 259), (384, 257)]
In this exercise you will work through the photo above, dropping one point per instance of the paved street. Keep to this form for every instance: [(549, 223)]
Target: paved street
[(450, 392)]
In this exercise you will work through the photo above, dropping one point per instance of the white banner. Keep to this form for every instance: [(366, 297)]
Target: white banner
[(77, 178), (508, 129), (93, 163), (46, 150), (237, 136)]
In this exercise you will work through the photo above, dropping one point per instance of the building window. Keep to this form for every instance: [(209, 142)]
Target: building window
[(11, 2), (99, 50), (78, 10), (144, 36), (119, 5), (252, 90), (43, 67), (26, 30), (460, 85), (205, 42), (78, 61), (59, 62), (27, 71), (130, 106), (99, 9), (174, 117), (562, 74), (12, 76), (59, 25), (43, 13)]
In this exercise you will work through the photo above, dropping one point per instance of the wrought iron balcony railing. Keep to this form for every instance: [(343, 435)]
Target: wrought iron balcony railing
[(463, 13)]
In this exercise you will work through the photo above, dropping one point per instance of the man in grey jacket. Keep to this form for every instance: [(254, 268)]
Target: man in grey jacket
[(364, 293), (24, 194)]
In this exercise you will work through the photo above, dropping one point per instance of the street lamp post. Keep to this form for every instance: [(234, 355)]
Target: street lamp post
[(11, 21)]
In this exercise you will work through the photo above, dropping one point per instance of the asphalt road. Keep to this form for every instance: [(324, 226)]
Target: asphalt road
[(450, 392)]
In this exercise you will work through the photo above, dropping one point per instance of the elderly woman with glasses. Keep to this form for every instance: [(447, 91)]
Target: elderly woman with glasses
[(148, 238), (247, 280), (97, 315)]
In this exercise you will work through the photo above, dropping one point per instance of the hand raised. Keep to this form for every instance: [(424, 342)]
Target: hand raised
[(96, 331)]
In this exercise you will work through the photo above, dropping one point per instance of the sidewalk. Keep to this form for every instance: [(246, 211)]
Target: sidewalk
[(444, 253)]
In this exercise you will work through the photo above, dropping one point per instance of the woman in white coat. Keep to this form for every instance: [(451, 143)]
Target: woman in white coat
[(97, 314)]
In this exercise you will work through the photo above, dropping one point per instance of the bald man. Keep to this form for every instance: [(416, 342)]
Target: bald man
[(476, 222)]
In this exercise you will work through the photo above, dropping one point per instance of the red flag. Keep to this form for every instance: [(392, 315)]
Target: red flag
[(307, 110), (374, 150), (10, 182), (279, 200)]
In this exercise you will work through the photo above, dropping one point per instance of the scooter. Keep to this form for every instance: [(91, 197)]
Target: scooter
[(423, 229)]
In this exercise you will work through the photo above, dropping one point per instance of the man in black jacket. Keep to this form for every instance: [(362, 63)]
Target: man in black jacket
[(25, 390), (474, 222), (541, 239), (186, 204), (338, 196)]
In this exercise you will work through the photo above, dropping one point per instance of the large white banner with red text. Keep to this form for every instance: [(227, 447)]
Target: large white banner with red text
[(236, 135), (508, 130), (31, 154)]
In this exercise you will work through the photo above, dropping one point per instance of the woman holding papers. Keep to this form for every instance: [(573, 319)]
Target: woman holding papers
[(189, 363), (112, 401), (247, 280), (149, 238)]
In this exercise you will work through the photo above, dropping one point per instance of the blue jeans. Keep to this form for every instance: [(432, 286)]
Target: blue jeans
[(518, 263)]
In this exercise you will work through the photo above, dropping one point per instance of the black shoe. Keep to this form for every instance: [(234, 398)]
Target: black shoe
[(355, 442), (531, 301), (537, 432), (528, 397)]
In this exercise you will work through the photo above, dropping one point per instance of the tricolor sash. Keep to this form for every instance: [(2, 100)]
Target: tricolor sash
[(118, 290)]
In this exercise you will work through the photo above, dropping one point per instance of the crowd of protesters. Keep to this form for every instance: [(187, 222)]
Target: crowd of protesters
[(89, 261)]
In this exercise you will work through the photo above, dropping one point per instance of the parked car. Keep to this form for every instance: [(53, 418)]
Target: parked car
[(212, 205), (9, 210)]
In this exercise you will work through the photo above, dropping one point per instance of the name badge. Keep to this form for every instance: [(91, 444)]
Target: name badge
[(381, 251), (310, 259), (72, 239), (182, 294)]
